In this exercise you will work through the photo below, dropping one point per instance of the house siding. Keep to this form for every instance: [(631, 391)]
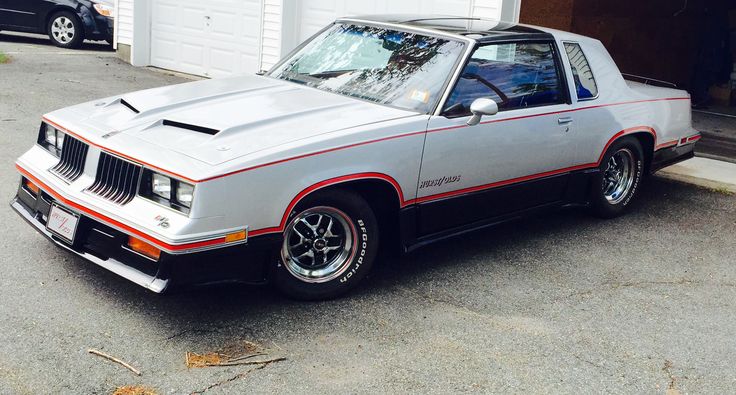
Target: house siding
[(124, 22), (487, 9), (271, 36)]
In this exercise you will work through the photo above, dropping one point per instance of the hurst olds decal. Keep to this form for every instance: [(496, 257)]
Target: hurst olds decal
[(438, 182)]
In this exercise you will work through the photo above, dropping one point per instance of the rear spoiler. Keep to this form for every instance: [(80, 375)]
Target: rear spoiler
[(649, 81)]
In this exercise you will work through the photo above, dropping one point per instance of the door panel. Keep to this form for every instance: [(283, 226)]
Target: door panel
[(514, 147), (511, 161), (20, 13)]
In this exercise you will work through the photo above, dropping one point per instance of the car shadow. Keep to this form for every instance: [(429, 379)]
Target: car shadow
[(38, 39)]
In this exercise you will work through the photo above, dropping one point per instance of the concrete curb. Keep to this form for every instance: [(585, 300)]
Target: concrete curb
[(704, 172)]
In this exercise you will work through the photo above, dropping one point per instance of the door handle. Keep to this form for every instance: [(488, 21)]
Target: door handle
[(564, 121)]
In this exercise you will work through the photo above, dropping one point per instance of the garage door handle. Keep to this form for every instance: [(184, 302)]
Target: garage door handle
[(564, 121)]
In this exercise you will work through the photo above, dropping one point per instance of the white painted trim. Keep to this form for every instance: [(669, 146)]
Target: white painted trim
[(289, 28), (261, 34), (510, 10), (140, 54), (471, 9), (115, 25)]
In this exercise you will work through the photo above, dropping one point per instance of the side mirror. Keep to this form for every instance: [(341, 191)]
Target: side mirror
[(481, 107)]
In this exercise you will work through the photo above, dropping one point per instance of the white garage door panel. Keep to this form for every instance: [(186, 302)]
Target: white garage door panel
[(316, 14), (209, 38)]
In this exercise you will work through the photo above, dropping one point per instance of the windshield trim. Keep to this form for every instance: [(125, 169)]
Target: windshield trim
[(468, 44)]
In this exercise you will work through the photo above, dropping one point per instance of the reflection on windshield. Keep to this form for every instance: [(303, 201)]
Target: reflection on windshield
[(401, 69)]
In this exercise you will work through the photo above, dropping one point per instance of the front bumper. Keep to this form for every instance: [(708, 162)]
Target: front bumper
[(107, 247), (98, 27)]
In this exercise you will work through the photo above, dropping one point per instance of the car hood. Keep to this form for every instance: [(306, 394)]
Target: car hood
[(216, 121)]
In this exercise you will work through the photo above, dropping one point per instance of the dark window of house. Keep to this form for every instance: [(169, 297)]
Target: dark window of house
[(515, 75), (584, 81)]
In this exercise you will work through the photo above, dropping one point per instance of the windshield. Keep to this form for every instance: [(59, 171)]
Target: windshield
[(400, 69)]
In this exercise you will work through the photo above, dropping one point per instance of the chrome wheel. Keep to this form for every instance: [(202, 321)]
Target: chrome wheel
[(618, 177), (319, 244), (62, 29)]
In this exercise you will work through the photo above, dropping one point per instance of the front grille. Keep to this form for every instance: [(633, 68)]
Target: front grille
[(117, 179), (73, 156)]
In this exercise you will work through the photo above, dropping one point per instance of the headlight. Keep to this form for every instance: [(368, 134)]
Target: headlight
[(184, 193), (51, 138), (166, 191), (60, 139), (161, 186), (50, 134), (104, 10)]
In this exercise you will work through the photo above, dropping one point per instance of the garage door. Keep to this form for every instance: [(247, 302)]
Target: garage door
[(316, 14), (210, 38)]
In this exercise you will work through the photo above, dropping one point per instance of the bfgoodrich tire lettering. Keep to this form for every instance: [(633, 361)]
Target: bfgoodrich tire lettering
[(330, 243), (619, 178)]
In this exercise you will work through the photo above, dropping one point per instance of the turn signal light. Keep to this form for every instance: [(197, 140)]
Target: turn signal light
[(144, 248), (237, 236), (32, 187)]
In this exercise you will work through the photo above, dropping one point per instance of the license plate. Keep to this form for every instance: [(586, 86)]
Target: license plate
[(62, 223)]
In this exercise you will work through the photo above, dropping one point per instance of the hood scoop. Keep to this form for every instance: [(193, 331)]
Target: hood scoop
[(130, 106), (195, 128)]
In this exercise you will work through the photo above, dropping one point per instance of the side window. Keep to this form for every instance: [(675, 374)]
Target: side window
[(584, 80), (515, 75)]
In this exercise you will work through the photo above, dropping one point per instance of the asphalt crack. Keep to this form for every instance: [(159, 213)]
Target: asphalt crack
[(184, 332), (237, 377)]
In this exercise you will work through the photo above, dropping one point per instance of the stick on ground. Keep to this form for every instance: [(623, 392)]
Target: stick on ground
[(111, 358), (270, 361)]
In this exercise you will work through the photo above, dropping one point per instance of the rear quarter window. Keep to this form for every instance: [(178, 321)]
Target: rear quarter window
[(585, 84)]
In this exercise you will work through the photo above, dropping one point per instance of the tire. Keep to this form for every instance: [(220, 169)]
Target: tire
[(305, 267), (619, 178), (65, 30)]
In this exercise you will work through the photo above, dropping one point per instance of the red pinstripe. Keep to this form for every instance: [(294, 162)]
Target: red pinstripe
[(350, 145), (326, 183), (342, 179)]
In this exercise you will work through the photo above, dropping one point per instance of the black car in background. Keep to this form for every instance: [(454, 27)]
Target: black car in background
[(67, 22)]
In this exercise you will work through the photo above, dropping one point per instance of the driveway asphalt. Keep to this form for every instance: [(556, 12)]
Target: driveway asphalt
[(719, 136), (561, 303)]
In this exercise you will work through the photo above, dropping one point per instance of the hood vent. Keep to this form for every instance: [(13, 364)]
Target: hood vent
[(199, 129), (130, 106)]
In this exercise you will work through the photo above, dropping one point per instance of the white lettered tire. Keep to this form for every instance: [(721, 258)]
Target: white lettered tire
[(619, 178), (329, 245)]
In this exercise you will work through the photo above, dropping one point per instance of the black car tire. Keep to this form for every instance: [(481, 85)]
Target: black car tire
[(335, 212), (66, 21), (618, 180)]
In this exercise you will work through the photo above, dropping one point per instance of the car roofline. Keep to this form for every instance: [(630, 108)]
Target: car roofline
[(494, 30), (408, 28)]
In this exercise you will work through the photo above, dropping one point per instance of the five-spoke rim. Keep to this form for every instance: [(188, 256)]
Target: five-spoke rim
[(63, 29), (319, 244), (618, 177)]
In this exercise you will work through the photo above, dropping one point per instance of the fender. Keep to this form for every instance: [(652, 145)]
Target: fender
[(328, 183)]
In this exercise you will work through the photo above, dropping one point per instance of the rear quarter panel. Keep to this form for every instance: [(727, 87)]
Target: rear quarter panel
[(619, 110)]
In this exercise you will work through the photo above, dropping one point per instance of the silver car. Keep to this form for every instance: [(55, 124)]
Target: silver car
[(394, 130)]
